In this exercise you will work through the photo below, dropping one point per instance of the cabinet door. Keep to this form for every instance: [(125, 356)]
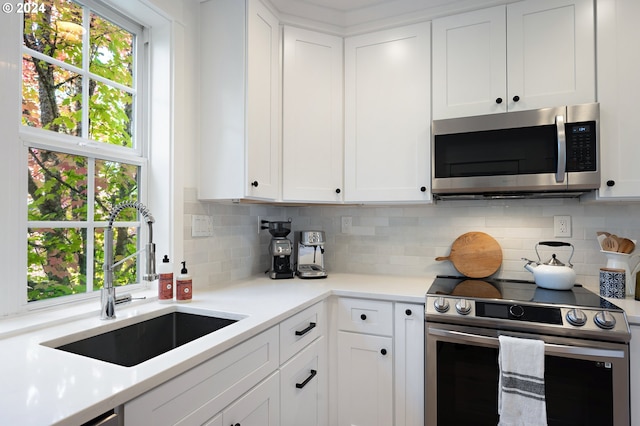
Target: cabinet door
[(258, 407), (365, 380), (263, 105), (387, 115), (634, 370), (409, 364), (618, 94), (303, 387), (469, 64), (312, 116), (550, 53)]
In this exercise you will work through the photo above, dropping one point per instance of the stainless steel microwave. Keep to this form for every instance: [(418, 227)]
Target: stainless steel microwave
[(550, 152)]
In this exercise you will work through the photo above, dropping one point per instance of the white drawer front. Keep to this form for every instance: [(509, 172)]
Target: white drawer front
[(365, 316), (303, 387), (195, 396), (301, 329)]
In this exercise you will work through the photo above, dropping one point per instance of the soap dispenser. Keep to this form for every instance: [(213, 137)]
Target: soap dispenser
[(165, 281), (184, 288)]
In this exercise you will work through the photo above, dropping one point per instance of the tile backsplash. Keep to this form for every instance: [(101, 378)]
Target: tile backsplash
[(404, 240)]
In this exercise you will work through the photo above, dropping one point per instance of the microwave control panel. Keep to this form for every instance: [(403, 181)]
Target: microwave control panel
[(581, 146)]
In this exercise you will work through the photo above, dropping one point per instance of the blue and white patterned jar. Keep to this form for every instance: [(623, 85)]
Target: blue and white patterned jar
[(612, 283)]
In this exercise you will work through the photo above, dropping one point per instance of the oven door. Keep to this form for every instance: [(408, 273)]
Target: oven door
[(586, 382)]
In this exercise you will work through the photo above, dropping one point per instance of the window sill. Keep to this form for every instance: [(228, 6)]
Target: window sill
[(14, 325)]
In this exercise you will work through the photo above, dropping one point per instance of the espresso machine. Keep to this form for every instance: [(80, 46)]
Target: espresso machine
[(280, 249), (310, 254)]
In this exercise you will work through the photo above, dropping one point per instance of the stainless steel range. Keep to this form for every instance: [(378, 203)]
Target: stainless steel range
[(586, 350)]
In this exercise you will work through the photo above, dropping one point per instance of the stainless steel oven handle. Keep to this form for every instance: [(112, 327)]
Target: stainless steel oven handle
[(561, 167), (549, 348)]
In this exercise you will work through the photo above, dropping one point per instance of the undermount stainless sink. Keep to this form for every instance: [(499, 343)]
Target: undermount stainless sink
[(132, 344)]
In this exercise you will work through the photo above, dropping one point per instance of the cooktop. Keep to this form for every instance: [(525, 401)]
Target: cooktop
[(522, 306), (516, 291)]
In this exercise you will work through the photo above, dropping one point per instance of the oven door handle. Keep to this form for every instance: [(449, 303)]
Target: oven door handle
[(549, 348)]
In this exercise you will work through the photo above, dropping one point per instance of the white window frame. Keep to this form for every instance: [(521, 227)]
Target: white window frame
[(157, 181)]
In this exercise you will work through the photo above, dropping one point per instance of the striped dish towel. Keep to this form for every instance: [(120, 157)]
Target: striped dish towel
[(521, 399)]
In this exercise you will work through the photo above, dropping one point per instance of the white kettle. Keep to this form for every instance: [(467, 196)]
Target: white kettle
[(553, 275)]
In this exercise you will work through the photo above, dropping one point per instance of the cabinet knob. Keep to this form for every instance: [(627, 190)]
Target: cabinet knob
[(338, 190), (254, 183), (408, 312), (516, 98), (611, 183), (423, 189), (363, 317), (383, 351), (499, 100)]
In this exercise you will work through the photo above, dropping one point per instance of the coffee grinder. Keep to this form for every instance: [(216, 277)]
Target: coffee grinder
[(280, 249), (310, 255)]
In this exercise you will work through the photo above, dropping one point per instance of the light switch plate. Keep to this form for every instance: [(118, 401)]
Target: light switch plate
[(201, 226)]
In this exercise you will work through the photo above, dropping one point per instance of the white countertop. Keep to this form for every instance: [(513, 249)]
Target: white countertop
[(43, 386)]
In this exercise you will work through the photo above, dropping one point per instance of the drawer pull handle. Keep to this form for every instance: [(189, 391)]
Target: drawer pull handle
[(383, 351), (307, 380), (363, 317), (312, 325)]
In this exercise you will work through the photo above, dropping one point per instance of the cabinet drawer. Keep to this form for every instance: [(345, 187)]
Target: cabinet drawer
[(195, 396), (303, 387), (298, 331), (365, 316)]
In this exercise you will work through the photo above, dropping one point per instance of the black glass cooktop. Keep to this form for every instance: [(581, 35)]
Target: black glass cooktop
[(517, 291)]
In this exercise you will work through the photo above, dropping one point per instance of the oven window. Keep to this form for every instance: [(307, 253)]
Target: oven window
[(468, 388)]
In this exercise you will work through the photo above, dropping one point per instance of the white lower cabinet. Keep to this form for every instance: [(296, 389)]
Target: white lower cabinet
[(380, 363), (409, 364), (634, 374), (365, 379), (281, 376)]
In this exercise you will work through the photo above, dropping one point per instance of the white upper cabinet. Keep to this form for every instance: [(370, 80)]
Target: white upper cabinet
[(525, 55), (312, 117), (469, 63), (388, 116), (240, 147), (618, 94)]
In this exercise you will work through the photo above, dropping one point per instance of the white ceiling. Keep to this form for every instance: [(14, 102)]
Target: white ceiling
[(353, 16)]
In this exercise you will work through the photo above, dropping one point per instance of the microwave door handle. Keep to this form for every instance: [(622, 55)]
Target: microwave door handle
[(562, 149)]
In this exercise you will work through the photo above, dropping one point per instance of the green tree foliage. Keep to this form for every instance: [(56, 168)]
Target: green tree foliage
[(62, 94)]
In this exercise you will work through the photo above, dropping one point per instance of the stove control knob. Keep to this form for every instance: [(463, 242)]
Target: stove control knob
[(605, 320), (576, 317), (463, 307), (441, 304)]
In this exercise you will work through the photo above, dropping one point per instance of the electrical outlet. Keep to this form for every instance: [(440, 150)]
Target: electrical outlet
[(347, 222), (562, 226)]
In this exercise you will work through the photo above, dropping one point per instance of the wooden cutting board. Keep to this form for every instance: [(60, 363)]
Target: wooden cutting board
[(475, 255)]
